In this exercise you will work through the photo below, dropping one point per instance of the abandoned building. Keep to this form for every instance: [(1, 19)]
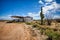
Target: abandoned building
[(22, 19)]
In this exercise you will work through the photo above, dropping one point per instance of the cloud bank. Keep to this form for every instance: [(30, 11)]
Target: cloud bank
[(48, 1), (49, 8)]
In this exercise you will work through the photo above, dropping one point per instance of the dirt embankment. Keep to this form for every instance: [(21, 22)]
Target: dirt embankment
[(16, 31)]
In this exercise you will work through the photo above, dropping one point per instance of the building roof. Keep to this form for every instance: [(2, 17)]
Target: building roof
[(17, 16), (20, 17)]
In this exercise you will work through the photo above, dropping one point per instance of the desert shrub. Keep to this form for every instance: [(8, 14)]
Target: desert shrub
[(55, 29), (37, 22), (49, 22), (57, 25), (9, 22), (52, 35), (42, 31), (35, 26)]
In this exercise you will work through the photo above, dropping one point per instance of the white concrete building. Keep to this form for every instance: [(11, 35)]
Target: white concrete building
[(22, 19)]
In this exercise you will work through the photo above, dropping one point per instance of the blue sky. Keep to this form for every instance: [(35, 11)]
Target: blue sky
[(29, 8)]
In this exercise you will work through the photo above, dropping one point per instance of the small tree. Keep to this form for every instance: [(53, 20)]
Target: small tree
[(49, 18), (42, 16)]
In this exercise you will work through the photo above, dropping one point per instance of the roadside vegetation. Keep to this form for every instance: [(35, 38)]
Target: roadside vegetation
[(52, 33)]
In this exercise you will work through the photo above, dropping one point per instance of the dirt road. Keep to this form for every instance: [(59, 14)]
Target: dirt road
[(16, 31)]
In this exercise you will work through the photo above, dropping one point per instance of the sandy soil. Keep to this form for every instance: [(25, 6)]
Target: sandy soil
[(17, 31)]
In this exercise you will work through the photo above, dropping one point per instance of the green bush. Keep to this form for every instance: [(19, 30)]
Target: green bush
[(52, 35)]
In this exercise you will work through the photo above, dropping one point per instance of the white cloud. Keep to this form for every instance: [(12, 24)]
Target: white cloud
[(8, 17), (50, 7), (48, 0), (56, 16), (34, 15), (47, 10), (53, 7), (46, 3), (41, 2)]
